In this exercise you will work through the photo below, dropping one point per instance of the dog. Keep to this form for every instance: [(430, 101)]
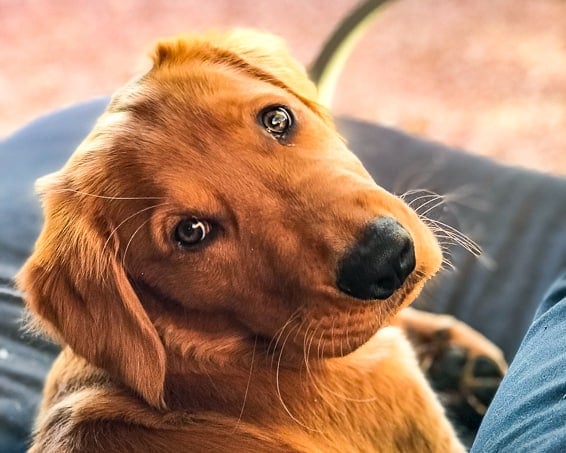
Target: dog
[(224, 275)]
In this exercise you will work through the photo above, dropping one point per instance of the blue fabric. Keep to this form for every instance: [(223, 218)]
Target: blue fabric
[(528, 412)]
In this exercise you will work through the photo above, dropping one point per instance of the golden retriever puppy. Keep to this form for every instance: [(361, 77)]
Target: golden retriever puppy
[(222, 272)]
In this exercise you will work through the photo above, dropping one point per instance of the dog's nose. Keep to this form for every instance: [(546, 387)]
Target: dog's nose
[(380, 261)]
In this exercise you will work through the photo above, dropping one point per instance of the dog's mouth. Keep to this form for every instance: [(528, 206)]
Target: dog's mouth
[(338, 325)]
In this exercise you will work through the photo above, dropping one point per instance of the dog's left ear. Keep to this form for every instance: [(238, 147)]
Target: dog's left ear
[(80, 293)]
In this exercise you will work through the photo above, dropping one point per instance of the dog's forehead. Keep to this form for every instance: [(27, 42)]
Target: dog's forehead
[(261, 55), (201, 82), (191, 97), (164, 127), (213, 90), (197, 111), (216, 89)]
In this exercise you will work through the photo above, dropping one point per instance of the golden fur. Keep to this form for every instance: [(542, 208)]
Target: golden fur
[(242, 343)]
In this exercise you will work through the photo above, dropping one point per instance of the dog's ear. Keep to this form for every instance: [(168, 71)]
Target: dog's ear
[(80, 293)]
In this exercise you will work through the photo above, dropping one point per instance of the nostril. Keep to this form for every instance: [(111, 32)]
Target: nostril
[(388, 284), (407, 249), (379, 262), (385, 287), (407, 261)]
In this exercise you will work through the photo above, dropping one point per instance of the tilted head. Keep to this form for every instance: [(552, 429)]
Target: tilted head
[(214, 207)]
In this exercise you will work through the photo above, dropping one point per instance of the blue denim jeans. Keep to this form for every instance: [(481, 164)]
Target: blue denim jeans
[(528, 413)]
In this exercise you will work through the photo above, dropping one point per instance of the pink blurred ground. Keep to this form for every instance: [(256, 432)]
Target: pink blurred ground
[(485, 75)]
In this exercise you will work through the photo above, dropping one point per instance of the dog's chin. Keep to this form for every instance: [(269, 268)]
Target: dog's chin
[(338, 326), (320, 344)]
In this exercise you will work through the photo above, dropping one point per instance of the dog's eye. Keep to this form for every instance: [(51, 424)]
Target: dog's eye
[(276, 120), (191, 231)]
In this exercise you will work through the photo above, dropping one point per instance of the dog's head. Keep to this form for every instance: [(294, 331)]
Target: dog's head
[(212, 205)]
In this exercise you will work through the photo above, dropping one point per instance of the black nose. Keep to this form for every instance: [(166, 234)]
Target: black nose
[(379, 262)]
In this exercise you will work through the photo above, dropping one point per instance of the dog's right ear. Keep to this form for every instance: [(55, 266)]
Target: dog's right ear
[(76, 286)]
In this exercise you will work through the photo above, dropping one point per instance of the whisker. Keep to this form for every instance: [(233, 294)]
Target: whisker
[(323, 389), (414, 191), (332, 336), (348, 331), (274, 342), (305, 347), (280, 395), (105, 197), (306, 357), (430, 198), (463, 196), (318, 384), (308, 350), (131, 239), (430, 208), (446, 234), (431, 201), (247, 387), (452, 233), (128, 218)]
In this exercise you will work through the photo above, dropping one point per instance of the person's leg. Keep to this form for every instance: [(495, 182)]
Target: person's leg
[(528, 412)]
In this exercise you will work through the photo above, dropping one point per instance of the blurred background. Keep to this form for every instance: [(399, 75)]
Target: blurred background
[(485, 75)]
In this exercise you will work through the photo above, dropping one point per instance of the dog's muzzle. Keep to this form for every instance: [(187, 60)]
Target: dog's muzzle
[(379, 262)]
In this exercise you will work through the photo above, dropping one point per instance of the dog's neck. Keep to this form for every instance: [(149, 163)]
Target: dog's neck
[(216, 364), (227, 372), (313, 396)]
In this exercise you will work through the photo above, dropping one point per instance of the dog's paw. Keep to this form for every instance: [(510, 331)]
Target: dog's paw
[(465, 371), (462, 365)]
